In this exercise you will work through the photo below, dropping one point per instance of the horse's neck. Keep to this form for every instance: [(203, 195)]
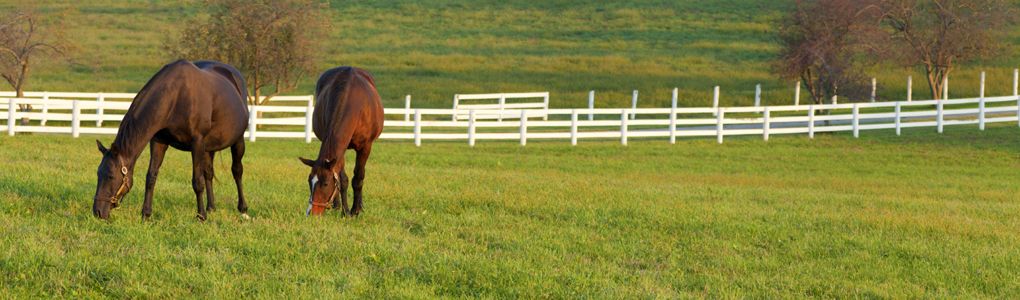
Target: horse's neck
[(132, 136)]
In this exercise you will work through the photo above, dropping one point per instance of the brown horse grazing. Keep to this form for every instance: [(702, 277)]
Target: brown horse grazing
[(198, 107), (348, 115)]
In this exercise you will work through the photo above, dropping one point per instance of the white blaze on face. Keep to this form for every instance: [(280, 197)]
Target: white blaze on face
[(313, 182)]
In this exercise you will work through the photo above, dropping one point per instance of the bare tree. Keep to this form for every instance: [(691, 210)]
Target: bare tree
[(933, 34), (826, 45), (274, 43), (23, 37)]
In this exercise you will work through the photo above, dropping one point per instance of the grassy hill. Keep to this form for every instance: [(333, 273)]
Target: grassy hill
[(435, 49)]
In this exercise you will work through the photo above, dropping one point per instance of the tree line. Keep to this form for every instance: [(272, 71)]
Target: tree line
[(830, 44)]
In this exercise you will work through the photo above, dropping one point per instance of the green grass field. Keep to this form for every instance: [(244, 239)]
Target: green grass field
[(923, 215), (434, 49)]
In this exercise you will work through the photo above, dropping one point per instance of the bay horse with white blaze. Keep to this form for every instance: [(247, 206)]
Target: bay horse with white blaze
[(348, 115), (200, 108)]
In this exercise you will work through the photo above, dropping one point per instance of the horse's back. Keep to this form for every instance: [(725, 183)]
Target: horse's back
[(347, 102), (206, 98)]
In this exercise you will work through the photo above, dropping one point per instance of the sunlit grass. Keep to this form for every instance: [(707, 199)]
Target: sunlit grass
[(435, 49), (916, 216), (922, 215)]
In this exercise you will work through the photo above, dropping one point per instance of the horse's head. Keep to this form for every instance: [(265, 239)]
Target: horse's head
[(114, 181), (323, 183)]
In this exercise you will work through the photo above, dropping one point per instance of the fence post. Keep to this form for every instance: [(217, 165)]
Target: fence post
[(524, 127), (938, 118), (99, 110), (981, 104), (502, 103), (456, 101), (910, 87), (407, 105), (672, 118), (75, 118), (765, 124), (834, 99), (45, 108), (715, 101), (811, 122), (796, 95), (591, 105), (308, 119), (898, 117), (1016, 77), (623, 127), (573, 127), (633, 104), (545, 117), (719, 124), (856, 120), (417, 127), (471, 128), (757, 96), (10, 117), (874, 85), (252, 118)]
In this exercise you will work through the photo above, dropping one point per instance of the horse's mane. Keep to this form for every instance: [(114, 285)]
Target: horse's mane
[(335, 92), (132, 127)]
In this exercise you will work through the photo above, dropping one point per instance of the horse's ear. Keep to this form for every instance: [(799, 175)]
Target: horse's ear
[(102, 149), (328, 163), (307, 162)]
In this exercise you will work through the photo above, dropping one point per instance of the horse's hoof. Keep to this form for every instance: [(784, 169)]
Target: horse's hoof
[(245, 216), (201, 217)]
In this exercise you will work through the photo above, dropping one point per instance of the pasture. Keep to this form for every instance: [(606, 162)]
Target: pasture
[(434, 49), (923, 215)]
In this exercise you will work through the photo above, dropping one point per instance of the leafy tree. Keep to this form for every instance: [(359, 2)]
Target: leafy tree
[(273, 43), (24, 37), (933, 34)]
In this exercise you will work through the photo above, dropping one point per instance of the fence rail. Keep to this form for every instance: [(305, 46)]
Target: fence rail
[(555, 123)]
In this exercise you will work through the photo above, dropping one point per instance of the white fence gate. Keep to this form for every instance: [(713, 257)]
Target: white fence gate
[(501, 105)]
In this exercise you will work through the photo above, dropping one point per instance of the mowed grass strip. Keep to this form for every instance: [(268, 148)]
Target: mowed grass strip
[(922, 215)]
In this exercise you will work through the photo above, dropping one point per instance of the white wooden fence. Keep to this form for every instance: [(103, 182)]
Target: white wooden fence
[(652, 122)]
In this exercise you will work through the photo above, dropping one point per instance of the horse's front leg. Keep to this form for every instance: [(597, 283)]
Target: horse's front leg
[(359, 178), (343, 189), (156, 152), (198, 166)]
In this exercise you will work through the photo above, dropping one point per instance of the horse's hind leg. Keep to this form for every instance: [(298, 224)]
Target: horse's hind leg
[(208, 172), (237, 152), (198, 166), (359, 178), (156, 152)]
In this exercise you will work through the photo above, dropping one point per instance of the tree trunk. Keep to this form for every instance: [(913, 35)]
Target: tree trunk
[(935, 80), (21, 94), (255, 101)]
